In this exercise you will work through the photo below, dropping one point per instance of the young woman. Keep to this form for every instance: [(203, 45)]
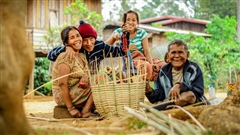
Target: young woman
[(69, 74), (138, 37)]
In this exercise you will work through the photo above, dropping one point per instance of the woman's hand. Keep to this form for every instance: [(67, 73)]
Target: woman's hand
[(70, 53), (74, 112), (84, 82)]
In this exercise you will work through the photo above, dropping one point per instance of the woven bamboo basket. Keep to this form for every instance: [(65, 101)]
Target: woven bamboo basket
[(111, 95)]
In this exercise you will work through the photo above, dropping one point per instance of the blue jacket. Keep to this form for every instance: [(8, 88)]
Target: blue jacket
[(192, 80), (100, 51)]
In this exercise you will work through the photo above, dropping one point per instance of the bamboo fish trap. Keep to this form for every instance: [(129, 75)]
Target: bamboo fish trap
[(112, 92)]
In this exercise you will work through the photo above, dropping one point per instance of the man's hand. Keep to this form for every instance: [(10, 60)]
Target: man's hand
[(116, 37), (148, 89), (70, 53), (174, 93)]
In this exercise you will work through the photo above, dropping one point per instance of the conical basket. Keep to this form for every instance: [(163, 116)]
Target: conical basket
[(111, 95)]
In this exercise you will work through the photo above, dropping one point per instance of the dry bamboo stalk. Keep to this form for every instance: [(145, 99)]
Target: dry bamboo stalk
[(148, 121), (192, 129), (97, 71), (119, 121), (65, 127), (120, 69), (138, 71), (191, 116), (171, 126), (113, 70), (164, 117), (45, 119), (147, 133), (154, 111), (145, 71), (132, 66), (180, 128), (159, 121), (49, 82), (103, 128), (40, 93), (177, 126), (128, 68)]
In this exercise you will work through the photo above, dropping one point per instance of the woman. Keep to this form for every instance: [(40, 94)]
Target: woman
[(138, 37), (138, 47), (66, 90)]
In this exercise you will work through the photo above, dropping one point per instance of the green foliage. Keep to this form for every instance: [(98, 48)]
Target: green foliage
[(53, 37), (41, 75), (154, 8), (208, 8), (156, 25), (79, 11), (216, 54), (134, 123)]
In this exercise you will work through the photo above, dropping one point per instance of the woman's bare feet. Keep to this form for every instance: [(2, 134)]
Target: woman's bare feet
[(75, 113)]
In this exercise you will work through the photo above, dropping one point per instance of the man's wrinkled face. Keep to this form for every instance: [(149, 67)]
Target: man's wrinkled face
[(177, 55), (88, 43)]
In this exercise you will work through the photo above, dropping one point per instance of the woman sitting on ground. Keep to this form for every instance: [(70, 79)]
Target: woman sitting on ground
[(66, 89)]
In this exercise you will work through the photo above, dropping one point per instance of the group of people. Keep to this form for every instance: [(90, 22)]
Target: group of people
[(179, 80)]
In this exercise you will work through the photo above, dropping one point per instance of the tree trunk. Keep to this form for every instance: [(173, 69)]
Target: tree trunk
[(16, 64)]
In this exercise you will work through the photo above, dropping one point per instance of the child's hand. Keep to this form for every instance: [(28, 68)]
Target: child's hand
[(125, 27)]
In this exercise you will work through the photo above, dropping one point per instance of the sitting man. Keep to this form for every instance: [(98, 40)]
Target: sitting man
[(179, 81)]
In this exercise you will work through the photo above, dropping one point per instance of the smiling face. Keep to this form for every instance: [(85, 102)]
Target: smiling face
[(74, 40), (88, 43), (177, 55), (132, 21)]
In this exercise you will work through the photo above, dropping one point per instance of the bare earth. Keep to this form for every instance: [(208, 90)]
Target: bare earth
[(39, 112)]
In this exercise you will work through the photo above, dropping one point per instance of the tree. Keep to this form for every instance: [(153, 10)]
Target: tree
[(208, 8), (153, 8), (79, 11)]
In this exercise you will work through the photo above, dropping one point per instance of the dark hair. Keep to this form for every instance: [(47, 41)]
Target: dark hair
[(178, 42), (124, 19), (65, 32)]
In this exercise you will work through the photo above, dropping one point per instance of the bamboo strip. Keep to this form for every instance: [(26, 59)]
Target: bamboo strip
[(44, 119), (191, 116), (148, 121)]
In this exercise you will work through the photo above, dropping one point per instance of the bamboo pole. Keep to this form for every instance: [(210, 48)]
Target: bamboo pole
[(30, 94)]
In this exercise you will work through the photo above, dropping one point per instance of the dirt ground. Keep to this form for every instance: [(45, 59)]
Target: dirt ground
[(39, 112)]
